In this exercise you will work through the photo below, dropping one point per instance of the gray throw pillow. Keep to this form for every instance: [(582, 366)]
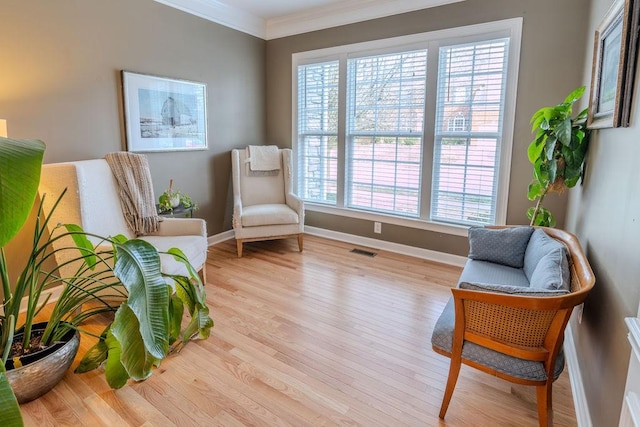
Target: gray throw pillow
[(552, 272), (512, 290), (540, 245), (504, 246)]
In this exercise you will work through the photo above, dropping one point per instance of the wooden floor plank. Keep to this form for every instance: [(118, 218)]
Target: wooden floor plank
[(320, 338)]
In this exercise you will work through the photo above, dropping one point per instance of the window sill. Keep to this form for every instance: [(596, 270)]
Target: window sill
[(438, 227)]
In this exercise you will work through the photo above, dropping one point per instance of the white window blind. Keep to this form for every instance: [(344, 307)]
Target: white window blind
[(386, 98), (318, 131), (468, 134)]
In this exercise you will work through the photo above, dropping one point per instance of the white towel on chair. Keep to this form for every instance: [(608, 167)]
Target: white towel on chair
[(264, 157)]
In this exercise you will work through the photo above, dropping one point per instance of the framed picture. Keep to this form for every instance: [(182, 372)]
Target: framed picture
[(613, 69), (163, 114)]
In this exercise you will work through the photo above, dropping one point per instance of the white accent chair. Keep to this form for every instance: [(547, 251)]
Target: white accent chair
[(264, 206), (92, 201)]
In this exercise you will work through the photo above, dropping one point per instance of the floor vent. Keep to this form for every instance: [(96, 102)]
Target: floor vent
[(363, 252)]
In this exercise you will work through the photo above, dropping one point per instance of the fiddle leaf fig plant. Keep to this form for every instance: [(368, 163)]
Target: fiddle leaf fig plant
[(557, 154)]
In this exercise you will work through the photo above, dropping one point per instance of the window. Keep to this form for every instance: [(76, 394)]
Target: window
[(385, 121), (318, 131), (466, 159), (413, 128)]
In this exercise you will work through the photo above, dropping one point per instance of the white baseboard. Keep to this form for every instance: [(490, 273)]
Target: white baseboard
[(427, 254), (575, 377), (219, 238)]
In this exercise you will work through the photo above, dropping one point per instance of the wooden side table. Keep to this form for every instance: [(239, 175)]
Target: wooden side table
[(179, 212)]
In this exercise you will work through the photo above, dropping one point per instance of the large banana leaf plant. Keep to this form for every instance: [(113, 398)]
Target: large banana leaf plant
[(148, 304), (557, 153)]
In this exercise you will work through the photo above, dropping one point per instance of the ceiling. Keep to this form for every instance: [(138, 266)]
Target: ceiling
[(270, 19)]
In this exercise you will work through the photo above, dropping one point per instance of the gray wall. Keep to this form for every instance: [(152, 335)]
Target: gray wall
[(60, 82), (605, 214), (550, 68)]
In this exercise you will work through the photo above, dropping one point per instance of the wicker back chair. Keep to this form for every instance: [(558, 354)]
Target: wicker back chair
[(525, 328)]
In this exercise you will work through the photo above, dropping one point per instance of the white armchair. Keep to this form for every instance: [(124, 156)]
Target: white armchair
[(92, 202), (264, 206)]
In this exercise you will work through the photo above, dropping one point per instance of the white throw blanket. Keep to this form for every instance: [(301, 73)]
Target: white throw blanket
[(264, 157)]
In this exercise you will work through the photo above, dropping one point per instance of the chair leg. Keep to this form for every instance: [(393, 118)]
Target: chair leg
[(239, 247), (203, 274), (454, 370), (545, 409), (300, 244)]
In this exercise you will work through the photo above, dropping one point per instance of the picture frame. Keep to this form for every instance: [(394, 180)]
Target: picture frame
[(613, 68), (164, 114)]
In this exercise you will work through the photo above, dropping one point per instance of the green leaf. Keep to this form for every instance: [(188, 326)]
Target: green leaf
[(20, 164), (553, 170), (534, 151), (195, 300), (543, 218), (9, 409), (133, 354), (550, 148), (536, 120), (114, 370), (138, 267), (575, 95), (83, 243), (176, 311), (583, 114), (180, 257), (572, 176), (93, 357), (540, 173), (564, 131), (535, 190)]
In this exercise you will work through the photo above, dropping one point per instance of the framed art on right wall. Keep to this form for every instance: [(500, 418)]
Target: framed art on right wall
[(613, 69)]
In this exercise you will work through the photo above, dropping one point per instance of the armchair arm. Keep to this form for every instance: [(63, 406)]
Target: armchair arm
[(295, 203), (181, 227)]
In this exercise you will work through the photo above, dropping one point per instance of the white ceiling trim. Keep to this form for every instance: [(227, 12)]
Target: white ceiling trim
[(342, 13), (318, 18), (223, 14)]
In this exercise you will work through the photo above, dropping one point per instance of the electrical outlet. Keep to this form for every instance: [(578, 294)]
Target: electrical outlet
[(377, 227)]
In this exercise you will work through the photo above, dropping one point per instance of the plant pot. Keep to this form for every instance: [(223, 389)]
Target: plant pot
[(43, 369), (175, 201)]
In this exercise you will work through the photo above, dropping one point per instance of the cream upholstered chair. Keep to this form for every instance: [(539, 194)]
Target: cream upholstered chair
[(92, 202), (264, 206)]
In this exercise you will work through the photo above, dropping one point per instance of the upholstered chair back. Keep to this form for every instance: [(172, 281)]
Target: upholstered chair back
[(261, 188)]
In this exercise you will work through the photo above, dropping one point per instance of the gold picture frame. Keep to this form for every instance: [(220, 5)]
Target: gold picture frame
[(613, 69)]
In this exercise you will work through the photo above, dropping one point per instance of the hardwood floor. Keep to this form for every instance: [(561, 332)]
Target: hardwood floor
[(323, 337)]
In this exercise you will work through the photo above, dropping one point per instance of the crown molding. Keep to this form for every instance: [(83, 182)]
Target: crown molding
[(223, 14), (318, 18), (342, 13)]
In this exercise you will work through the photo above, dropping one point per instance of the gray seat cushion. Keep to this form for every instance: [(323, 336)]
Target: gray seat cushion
[(504, 246), (489, 272), (513, 290), (442, 339)]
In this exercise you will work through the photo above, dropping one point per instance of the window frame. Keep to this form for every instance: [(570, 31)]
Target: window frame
[(432, 41)]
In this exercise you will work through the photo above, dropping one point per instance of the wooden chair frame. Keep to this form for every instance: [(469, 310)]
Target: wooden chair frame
[(536, 334)]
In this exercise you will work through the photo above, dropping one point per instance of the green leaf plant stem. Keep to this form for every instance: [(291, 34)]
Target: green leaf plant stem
[(116, 275), (557, 153)]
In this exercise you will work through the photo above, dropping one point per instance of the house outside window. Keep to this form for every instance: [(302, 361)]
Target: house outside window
[(417, 128)]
